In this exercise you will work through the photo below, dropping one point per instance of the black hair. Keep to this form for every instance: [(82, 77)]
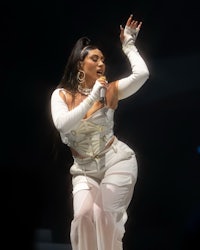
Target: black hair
[(69, 79), (78, 53)]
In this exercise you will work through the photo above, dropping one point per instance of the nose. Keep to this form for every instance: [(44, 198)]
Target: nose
[(100, 62)]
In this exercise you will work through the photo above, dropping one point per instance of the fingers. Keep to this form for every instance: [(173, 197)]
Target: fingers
[(121, 35), (103, 81), (133, 23), (128, 23), (139, 25)]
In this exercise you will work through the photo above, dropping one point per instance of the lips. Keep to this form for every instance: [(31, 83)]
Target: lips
[(99, 72)]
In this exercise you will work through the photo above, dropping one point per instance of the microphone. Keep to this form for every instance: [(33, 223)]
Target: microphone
[(102, 92), (102, 95)]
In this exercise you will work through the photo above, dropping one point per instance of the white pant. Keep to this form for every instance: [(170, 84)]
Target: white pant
[(102, 190)]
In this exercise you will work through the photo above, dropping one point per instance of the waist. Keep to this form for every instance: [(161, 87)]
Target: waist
[(75, 154)]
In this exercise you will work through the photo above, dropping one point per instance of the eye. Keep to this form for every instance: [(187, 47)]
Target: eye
[(95, 58)]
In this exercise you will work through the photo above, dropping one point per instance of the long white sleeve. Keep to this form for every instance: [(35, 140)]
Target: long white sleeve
[(140, 73), (63, 118)]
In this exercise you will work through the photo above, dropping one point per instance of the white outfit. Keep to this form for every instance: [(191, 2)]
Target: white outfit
[(103, 179)]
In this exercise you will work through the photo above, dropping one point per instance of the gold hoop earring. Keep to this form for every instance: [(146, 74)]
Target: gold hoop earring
[(81, 76)]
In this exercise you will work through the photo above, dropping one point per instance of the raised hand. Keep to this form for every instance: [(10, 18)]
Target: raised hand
[(130, 31)]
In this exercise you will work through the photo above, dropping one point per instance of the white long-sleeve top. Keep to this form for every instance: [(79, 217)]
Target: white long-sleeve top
[(90, 136), (140, 73)]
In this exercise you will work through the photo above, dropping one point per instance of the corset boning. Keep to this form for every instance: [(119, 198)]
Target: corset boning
[(90, 136)]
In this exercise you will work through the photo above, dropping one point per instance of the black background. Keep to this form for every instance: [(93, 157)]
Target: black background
[(161, 121)]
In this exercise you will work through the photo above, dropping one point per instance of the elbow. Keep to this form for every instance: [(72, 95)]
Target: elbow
[(60, 126), (145, 75)]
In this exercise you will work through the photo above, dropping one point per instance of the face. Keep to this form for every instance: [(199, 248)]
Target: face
[(93, 65)]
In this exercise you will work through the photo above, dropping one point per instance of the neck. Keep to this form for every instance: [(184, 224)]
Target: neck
[(88, 83), (84, 90)]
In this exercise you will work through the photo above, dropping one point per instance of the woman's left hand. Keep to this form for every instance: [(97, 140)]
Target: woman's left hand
[(131, 30)]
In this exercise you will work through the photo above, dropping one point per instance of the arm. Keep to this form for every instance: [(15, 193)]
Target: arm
[(129, 85), (65, 119)]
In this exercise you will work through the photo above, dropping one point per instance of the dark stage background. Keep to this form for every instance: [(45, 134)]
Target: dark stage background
[(161, 121)]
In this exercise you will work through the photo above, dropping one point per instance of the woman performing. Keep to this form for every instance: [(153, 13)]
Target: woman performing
[(104, 169)]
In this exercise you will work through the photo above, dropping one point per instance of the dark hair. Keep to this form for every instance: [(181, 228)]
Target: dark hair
[(78, 53)]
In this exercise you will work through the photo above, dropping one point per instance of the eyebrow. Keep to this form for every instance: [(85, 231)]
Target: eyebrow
[(98, 56)]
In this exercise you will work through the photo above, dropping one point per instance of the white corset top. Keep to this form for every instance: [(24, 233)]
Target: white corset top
[(91, 135)]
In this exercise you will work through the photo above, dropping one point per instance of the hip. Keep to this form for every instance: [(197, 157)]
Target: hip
[(118, 156)]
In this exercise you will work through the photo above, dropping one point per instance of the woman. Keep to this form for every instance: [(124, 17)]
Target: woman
[(104, 169)]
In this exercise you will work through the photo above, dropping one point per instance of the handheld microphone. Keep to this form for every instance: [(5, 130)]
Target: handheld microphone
[(102, 92), (102, 95)]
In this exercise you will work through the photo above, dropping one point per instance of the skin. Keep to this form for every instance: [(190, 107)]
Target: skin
[(94, 61), (94, 67)]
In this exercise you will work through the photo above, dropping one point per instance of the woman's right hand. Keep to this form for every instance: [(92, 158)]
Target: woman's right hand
[(103, 81), (100, 83)]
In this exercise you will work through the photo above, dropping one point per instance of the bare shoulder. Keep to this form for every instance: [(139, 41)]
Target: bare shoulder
[(66, 96), (113, 86), (71, 99)]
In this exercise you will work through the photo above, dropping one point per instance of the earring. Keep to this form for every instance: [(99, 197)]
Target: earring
[(81, 76)]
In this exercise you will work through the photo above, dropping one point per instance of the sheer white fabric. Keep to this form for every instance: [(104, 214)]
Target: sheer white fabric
[(101, 198)]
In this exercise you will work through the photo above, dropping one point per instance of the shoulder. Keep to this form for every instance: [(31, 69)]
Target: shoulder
[(112, 87), (58, 94), (62, 94)]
